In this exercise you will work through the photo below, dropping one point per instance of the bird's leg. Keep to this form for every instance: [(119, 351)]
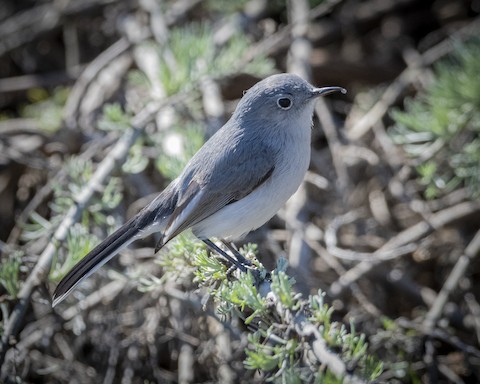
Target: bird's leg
[(237, 254), (222, 253)]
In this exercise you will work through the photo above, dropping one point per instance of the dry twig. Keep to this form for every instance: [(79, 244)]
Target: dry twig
[(409, 235)]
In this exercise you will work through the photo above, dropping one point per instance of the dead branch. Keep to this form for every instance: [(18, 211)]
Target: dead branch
[(409, 235), (458, 271)]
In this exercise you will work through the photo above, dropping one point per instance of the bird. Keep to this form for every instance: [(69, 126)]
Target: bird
[(234, 184)]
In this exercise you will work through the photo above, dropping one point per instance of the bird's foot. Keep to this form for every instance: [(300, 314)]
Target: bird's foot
[(237, 262)]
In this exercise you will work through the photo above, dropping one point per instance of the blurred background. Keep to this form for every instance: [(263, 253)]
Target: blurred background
[(386, 223)]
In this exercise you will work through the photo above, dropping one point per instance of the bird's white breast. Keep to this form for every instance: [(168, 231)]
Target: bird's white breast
[(237, 219)]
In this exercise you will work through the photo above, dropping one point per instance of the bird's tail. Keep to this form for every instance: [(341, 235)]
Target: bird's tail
[(99, 255), (151, 219)]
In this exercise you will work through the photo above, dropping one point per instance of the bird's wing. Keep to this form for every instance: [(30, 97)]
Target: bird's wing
[(227, 178)]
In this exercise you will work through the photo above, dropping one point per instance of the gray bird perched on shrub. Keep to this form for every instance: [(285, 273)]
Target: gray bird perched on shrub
[(234, 184)]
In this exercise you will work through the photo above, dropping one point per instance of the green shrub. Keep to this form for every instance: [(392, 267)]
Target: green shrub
[(440, 128)]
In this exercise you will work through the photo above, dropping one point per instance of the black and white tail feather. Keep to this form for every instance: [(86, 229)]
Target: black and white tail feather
[(153, 218)]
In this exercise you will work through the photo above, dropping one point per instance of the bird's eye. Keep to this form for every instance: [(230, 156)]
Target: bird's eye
[(284, 102)]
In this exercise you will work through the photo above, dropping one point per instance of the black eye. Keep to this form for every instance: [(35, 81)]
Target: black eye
[(284, 103)]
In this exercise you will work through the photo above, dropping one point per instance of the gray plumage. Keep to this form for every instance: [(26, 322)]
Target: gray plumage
[(235, 183)]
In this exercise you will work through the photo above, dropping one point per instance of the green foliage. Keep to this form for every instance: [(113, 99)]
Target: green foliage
[(276, 345), (9, 274), (241, 294), (113, 118), (177, 261), (226, 7), (440, 129), (282, 288), (399, 347), (185, 247), (196, 55), (137, 78), (211, 270), (327, 377), (321, 313), (45, 108), (136, 161), (178, 147), (36, 228), (282, 352), (79, 173)]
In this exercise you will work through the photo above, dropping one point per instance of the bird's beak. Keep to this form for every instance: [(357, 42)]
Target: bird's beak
[(327, 90)]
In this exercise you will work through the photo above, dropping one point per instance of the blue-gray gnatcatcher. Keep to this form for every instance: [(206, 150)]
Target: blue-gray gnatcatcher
[(235, 183)]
